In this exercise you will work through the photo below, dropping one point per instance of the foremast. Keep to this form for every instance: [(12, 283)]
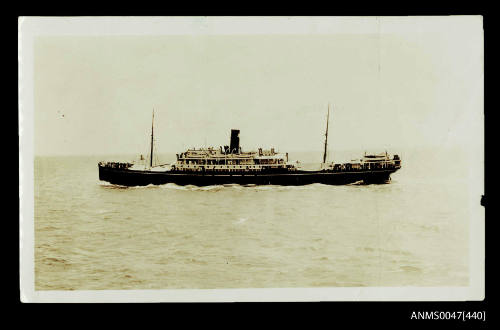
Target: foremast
[(326, 134)]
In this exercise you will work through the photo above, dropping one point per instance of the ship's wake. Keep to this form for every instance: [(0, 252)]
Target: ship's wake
[(107, 185), (214, 188)]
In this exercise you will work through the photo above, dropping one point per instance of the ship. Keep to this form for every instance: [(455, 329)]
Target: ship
[(232, 165)]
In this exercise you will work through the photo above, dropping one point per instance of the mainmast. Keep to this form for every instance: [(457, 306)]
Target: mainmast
[(326, 135), (152, 137)]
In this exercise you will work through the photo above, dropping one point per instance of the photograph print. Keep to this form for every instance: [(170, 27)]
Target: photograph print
[(251, 158)]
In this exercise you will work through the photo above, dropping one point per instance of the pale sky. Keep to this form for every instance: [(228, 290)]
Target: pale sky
[(95, 95)]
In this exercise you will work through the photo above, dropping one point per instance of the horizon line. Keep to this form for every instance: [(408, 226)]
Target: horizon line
[(389, 150)]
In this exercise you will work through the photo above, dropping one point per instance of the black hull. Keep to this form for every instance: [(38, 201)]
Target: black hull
[(126, 177)]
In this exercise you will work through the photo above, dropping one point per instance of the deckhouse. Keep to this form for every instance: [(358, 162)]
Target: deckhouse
[(231, 159)]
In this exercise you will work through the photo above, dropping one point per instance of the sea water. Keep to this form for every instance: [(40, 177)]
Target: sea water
[(91, 235)]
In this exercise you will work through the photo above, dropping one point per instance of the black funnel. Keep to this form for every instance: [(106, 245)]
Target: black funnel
[(234, 146)]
